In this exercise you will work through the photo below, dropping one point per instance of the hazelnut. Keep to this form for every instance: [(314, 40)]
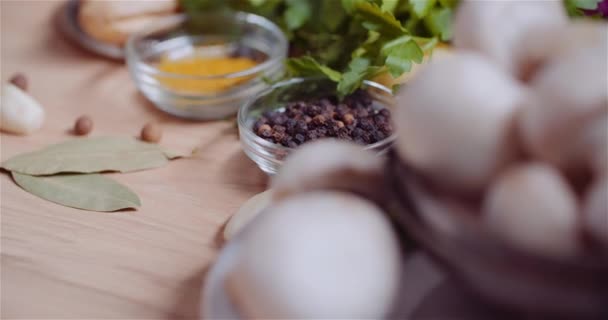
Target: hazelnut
[(151, 132), (19, 80), (83, 125)]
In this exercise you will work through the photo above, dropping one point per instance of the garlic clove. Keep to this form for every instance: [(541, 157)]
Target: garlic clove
[(246, 213), (571, 95), (319, 255), (477, 24), (532, 207), (461, 137), (595, 210), (330, 164), (19, 112)]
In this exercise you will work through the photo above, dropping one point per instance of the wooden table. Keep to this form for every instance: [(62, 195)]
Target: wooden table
[(65, 263)]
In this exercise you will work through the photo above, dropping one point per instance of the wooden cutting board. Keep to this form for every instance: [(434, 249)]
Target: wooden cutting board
[(64, 263)]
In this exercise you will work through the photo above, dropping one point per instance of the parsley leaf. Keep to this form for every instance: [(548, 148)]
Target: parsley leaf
[(399, 57), (297, 14), (422, 7), (307, 66)]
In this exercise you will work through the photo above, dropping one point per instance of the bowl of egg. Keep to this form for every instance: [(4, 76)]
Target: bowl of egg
[(503, 176), (206, 66)]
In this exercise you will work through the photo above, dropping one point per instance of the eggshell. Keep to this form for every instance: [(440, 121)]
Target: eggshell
[(330, 164), (320, 255), (19, 112), (595, 210), (496, 28), (455, 121), (572, 94), (532, 207)]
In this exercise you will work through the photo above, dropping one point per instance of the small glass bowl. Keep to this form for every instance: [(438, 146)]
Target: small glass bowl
[(208, 35), (270, 156)]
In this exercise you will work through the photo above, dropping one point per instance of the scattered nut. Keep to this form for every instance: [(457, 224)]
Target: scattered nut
[(19, 80), (19, 112), (151, 132), (83, 125)]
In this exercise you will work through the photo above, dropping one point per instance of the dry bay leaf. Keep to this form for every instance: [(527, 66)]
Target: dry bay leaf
[(172, 155), (82, 191), (89, 155)]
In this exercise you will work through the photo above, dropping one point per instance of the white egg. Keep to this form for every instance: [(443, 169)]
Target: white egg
[(532, 207), (455, 121), (496, 28), (572, 93), (320, 255), (19, 112), (330, 164), (595, 210), (541, 45)]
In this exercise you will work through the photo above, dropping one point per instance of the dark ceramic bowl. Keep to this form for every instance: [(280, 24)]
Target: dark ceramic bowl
[(499, 274)]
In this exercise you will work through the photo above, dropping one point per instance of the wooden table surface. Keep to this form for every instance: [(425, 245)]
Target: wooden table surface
[(64, 263)]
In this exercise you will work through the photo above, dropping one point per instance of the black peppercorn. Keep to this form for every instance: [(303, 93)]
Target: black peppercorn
[(355, 119)]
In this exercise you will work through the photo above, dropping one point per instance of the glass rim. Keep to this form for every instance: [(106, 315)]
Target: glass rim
[(276, 55)]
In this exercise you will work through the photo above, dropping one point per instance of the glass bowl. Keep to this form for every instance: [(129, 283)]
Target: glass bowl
[(270, 156), (209, 35), (523, 283)]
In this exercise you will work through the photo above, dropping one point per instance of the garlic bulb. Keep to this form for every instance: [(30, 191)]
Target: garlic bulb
[(496, 28), (460, 136), (319, 255), (330, 164), (534, 208), (19, 112)]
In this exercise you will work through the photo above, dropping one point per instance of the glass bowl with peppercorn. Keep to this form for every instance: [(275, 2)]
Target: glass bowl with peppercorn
[(296, 111), (206, 66)]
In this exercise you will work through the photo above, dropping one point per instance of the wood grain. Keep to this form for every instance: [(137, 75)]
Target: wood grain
[(65, 263)]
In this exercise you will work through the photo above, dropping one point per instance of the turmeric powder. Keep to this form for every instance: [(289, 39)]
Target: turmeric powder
[(204, 66)]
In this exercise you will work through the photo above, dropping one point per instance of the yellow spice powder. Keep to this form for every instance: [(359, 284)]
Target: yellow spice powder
[(204, 66)]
